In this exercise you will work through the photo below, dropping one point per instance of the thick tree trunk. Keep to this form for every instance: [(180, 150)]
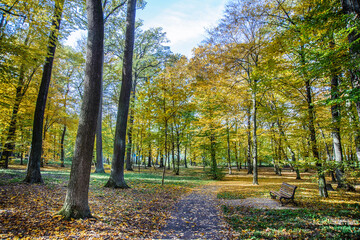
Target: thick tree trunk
[(353, 7), (33, 174), (116, 179), (99, 167), (336, 117), (76, 202)]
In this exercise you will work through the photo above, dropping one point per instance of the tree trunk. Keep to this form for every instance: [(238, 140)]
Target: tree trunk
[(33, 174), (213, 156), (149, 157), (130, 130), (255, 158), (99, 167), (116, 179), (185, 156), (166, 152), (178, 152), (336, 118), (249, 165), (21, 89), (321, 176), (76, 202), (228, 149), (62, 151), (353, 7)]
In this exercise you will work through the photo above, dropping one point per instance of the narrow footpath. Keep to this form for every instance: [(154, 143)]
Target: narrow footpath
[(197, 216)]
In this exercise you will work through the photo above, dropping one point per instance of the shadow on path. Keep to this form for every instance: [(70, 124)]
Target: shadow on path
[(197, 216)]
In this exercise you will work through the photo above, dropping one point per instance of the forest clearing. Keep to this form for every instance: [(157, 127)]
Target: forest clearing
[(106, 132), (29, 211)]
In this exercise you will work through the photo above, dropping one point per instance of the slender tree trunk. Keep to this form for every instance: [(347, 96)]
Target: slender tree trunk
[(249, 165), (255, 158), (149, 157), (130, 130), (228, 149), (213, 156), (76, 202), (166, 151), (321, 176), (99, 167), (178, 152), (10, 140), (21, 89), (62, 151), (185, 156), (172, 148), (33, 174), (116, 179)]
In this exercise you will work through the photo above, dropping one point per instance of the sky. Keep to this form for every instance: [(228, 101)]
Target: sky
[(184, 21)]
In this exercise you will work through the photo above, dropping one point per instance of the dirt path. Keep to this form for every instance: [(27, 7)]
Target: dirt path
[(197, 216)]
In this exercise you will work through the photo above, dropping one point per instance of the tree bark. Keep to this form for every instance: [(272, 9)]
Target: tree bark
[(99, 167), (130, 130), (353, 7), (116, 179), (336, 117), (228, 149), (321, 176), (62, 152), (249, 165), (33, 174), (255, 157), (76, 202)]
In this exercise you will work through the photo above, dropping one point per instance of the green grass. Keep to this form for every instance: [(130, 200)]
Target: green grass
[(230, 195), (188, 178), (294, 223)]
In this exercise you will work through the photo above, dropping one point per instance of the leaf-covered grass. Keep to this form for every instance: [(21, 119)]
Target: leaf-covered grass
[(30, 210), (230, 195), (140, 212), (336, 217)]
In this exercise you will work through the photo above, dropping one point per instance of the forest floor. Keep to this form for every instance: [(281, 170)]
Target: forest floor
[(186, 207)]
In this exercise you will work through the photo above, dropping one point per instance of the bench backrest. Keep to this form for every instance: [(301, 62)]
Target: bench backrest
[(288, 189)]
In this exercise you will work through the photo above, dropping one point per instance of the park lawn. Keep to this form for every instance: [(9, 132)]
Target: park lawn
[(29, 211), (336, 217), (140, 212)]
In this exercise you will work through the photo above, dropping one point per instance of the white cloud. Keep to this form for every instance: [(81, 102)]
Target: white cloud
[(185, 22)]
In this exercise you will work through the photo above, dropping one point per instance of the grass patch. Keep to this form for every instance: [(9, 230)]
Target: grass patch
[(230, 195), (295, 224)]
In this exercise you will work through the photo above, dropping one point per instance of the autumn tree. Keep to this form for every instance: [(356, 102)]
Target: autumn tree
[(76, 201), (116, 179)]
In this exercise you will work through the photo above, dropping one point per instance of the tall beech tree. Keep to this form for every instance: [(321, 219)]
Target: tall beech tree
[(76, 202), (116, 179), (33, 174)]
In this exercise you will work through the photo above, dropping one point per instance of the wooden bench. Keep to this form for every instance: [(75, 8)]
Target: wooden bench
[(285, 194)]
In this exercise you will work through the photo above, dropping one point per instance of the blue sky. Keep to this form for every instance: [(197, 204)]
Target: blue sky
[(184, 21)]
